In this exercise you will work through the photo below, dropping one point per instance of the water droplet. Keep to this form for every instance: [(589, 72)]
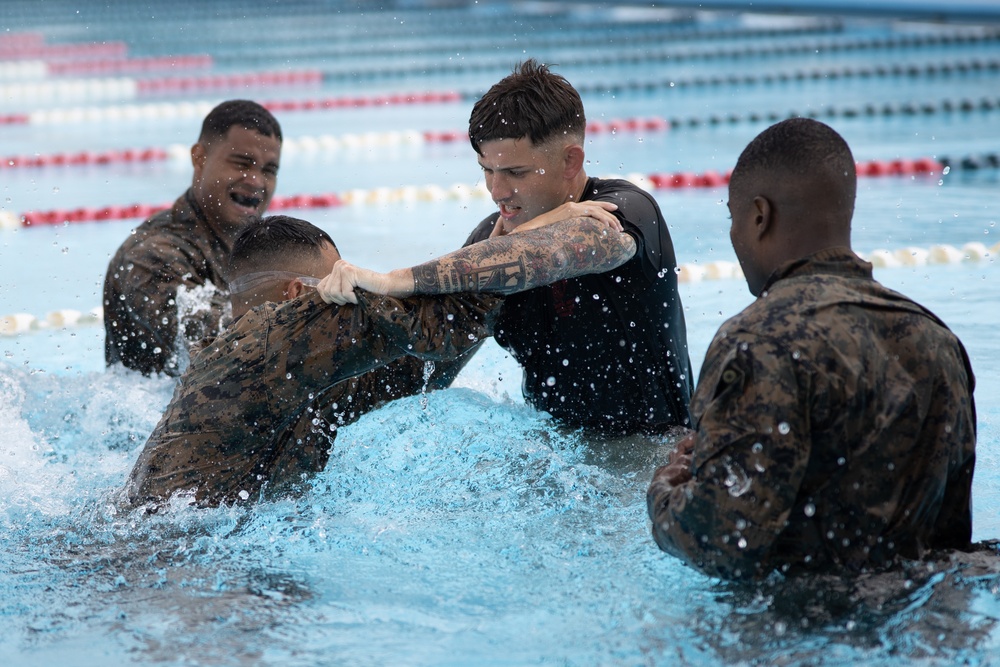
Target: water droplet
[(809, 509), (244, 494), (784, 428), (551, 381), (541, 172), (742, 544)]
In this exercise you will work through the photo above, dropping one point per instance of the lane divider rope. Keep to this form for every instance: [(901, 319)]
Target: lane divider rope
[(459, 191), (913, 168), (34, 70), (172, 110), (129, 88), (374, 140), (668, 55), (634, 47), (973, 252)]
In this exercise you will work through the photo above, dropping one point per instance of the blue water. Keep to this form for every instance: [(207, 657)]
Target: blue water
[(459, 527)]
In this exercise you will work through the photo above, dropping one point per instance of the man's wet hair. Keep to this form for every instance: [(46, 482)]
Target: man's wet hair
[(799, 147), (244, 113), (266, 242), (531, 102)]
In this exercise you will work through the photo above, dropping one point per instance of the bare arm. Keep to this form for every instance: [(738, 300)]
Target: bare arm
[(500, 265)]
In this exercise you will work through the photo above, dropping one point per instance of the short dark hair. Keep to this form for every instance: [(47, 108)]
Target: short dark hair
[(245, 113), (531, 102), (264, 242), (799, 146)]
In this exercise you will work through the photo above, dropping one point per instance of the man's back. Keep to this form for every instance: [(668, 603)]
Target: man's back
[(840, 423), (241, 418)]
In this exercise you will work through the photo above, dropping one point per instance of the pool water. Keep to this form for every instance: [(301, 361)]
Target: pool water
[(462, 527)]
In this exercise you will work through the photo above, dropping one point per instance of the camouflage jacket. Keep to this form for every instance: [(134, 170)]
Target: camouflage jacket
[(259, 406), (173, 248), (836, 428)]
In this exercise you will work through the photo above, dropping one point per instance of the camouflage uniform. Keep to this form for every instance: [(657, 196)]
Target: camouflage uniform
[(172, 248), (259, 406), (836, 428)]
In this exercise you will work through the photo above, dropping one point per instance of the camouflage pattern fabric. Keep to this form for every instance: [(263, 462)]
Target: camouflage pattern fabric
[(836, 430), (173, 248), (258, 408)]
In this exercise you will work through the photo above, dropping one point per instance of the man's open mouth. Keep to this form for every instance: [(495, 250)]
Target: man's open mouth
[(245, 200)]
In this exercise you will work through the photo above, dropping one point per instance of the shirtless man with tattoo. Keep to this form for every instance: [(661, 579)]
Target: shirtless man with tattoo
[(592, 312)]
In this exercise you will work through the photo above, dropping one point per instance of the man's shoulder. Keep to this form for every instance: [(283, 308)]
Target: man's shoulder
[(482, 230), (616, 189), (166, 232)]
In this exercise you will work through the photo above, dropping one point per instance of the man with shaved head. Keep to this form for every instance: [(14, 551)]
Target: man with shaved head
[(835, 422), (257, 411)]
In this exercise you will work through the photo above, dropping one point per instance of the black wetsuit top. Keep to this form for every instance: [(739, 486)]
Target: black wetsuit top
[(606, 351)]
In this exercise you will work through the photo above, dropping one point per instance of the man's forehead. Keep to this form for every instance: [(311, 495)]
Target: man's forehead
[(239, 139), (510, 152)]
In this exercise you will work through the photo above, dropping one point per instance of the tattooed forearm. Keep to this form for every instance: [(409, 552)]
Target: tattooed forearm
[(446, 276), (509, 264)]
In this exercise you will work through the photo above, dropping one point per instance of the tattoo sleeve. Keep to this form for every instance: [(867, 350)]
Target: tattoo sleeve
[(518, 262)]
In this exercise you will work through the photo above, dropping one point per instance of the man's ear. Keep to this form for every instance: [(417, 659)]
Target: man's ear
[(294, 289), (763, 215), (573, 157), (198, 156)]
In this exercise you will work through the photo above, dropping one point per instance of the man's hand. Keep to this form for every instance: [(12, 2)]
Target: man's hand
[(678, 467), (338, 287), (675, 472), (598, 210)]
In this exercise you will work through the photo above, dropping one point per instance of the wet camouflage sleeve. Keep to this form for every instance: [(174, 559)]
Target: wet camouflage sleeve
[(843, 438), (140, 304), (242, 416), (749, 461)]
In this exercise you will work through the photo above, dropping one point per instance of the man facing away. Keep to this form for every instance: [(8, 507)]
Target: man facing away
[(602, 341), (235, 164), (835, 422)]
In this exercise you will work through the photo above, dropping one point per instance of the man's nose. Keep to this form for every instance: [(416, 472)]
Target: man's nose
[(499, 187)]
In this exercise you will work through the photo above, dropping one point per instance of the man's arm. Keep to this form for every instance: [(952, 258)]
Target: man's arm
[(498, 265), (725, 496), (140, 290)]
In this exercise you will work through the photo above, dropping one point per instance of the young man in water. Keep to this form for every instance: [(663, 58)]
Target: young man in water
[(259, 406), (603, 343), (235, 172), (835, 422)]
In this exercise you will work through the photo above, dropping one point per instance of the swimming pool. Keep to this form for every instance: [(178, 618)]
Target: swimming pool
[(458, 527)]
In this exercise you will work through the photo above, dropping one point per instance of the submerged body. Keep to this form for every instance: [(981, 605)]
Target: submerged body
[(258, 408), (836, 428)]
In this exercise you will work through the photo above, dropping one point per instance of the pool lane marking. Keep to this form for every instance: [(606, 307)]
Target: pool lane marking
[(129, 88), (16, 324), (332, 144), (924, 168)]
